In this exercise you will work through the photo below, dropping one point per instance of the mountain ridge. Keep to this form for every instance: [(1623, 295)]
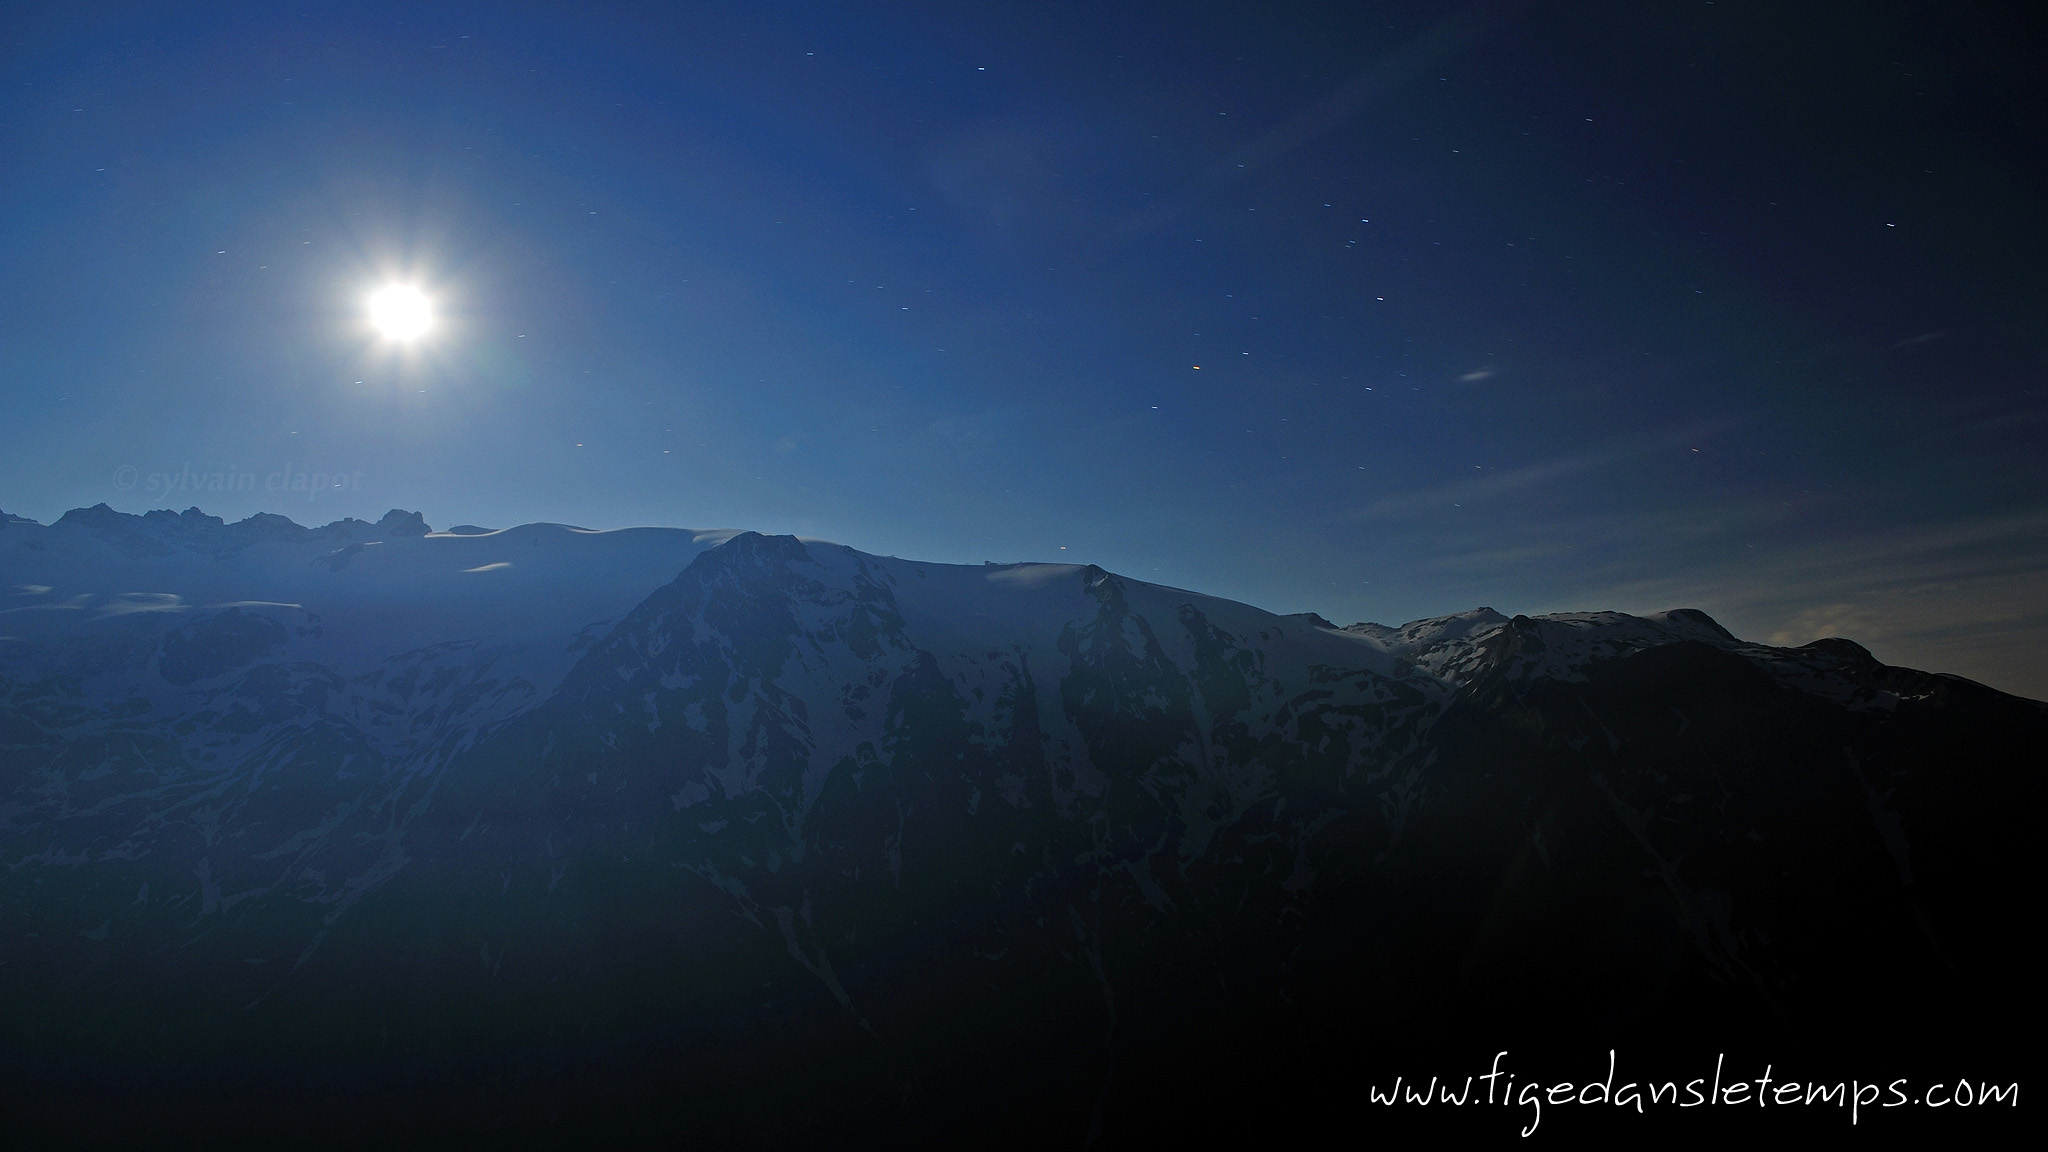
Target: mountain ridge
[(940, 834)]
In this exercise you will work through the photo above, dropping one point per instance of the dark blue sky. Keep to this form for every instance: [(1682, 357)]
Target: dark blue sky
[(1729, 305)]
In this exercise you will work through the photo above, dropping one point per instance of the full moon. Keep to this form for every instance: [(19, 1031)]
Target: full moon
[(401, 312)]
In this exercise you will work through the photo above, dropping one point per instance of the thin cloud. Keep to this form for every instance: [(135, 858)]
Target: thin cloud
[(130, 602), (76, 602), (1923, 338), (1334, 109), (1407, 505)]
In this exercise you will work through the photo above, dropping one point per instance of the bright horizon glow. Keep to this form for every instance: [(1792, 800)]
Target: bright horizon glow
[(401, 312)]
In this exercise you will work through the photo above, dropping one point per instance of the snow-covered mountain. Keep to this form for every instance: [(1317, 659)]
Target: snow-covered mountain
[(740, 838)]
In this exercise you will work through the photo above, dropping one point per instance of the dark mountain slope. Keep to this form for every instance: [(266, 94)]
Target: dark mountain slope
[(818, 847)]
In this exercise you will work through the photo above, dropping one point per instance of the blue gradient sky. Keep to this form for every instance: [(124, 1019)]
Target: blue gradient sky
[(1736, 305)]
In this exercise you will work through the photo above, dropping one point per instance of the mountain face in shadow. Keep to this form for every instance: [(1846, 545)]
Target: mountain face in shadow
[(663, 838)]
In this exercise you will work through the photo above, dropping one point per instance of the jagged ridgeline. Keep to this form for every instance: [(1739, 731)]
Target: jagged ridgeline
[(713, 838)]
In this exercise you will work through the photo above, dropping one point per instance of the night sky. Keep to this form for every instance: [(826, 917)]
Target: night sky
[(1376, 310)]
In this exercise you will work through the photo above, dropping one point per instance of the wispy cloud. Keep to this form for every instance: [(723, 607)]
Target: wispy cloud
[(1922, 338), (1424, 501), (130, 602), (76, 602), (1334, 109)]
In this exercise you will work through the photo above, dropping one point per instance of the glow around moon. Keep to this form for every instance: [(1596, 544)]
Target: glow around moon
[(401, 312)]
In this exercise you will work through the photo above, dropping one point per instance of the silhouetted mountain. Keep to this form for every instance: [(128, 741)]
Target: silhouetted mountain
[(663, 837)]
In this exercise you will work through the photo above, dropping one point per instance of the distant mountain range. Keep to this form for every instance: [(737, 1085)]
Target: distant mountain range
[(671, 838)]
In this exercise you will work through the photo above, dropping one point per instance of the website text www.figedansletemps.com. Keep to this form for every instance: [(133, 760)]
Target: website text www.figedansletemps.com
[(1722, 1087)]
